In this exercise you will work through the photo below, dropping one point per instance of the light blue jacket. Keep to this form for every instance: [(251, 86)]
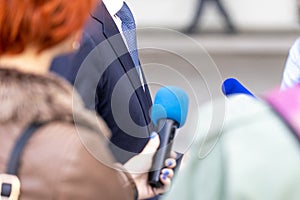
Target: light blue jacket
[(243, 152)]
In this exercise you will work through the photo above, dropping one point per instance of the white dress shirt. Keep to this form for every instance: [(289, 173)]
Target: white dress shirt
[(113, 6)]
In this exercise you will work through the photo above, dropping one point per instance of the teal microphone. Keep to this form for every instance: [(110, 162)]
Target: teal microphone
[(169, 112)]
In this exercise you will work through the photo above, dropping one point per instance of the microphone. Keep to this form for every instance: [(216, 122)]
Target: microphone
[(232, 86), (169, 112)]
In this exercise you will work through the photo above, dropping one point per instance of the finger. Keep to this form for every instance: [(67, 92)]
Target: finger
[(152, 144), (173, 154), (167, 173), (166, 181), (170, 163)]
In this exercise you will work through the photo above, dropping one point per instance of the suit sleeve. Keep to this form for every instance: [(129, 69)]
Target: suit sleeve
[(88, 71)]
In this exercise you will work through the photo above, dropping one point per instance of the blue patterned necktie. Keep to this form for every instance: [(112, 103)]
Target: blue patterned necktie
[(129, 31)]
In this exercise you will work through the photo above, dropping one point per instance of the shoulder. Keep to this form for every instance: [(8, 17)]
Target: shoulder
[(68, 154), (94, 25), (246, 149), (235, 118), (224, 111), (72, 140)]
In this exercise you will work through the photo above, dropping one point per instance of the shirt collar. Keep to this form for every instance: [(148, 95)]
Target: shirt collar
[(113, 6)]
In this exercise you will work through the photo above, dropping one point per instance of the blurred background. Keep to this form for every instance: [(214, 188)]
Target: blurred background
[(247, 15), (254, 53)]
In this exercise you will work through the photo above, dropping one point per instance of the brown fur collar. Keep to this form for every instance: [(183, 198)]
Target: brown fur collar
[(26, 98)]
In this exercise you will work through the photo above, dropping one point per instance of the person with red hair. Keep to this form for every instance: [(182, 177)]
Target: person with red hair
[(51, 147)]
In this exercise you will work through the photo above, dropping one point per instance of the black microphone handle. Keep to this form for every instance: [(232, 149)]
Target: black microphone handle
[(166, 130)]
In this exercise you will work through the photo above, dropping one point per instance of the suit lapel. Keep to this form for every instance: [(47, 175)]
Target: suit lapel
[(112, 34)]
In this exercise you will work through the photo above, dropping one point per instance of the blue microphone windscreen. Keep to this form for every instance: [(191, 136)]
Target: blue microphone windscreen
[(232, 86), (170, 103)]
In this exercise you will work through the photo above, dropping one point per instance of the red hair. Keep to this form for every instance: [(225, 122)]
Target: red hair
[(42, 23)]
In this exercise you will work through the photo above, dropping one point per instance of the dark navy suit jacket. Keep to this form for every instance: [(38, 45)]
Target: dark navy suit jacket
[(104, 74)]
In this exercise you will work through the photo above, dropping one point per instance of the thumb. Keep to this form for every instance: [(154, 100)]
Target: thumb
[(145, 157), (152, 144)]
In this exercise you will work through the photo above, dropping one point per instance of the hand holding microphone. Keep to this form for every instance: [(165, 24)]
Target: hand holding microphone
[(168, 113), (139, 166)]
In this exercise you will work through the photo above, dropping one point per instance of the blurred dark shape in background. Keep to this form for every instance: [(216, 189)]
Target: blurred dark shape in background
[(193, 26)]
